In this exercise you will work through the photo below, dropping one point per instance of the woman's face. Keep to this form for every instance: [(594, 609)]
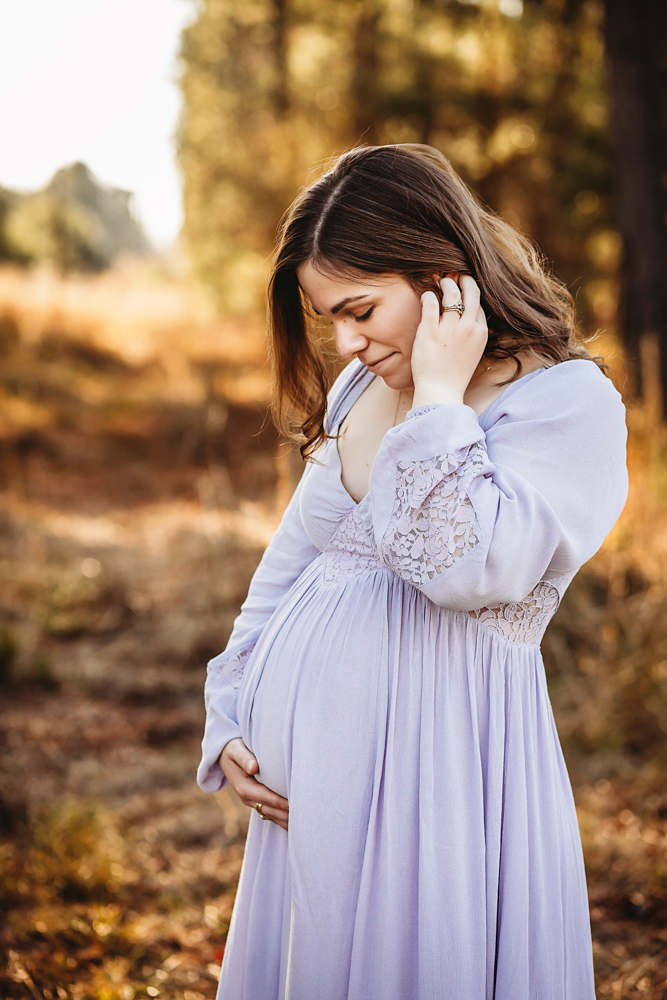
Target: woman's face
[(374, 319)]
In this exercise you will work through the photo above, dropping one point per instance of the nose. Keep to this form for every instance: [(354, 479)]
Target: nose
[(348, 340)]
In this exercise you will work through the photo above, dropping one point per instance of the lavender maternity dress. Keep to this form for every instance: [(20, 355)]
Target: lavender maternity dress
[(386, 672)]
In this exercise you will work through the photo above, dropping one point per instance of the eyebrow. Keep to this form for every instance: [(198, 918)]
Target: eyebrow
[(344, 302)]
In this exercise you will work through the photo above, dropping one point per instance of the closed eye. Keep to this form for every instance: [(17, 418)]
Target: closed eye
[(367, 315)]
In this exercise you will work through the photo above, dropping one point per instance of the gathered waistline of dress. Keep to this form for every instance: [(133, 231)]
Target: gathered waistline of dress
[(518, 622)]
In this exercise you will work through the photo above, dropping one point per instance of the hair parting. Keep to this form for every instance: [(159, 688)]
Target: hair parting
[(402, 210)]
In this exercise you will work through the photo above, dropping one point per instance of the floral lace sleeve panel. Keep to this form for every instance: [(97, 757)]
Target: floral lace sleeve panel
[(224, 678), (233, 668), (433, 523), (475, 511)]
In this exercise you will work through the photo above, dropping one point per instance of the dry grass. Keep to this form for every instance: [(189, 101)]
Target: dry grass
[(138, 489), (138, 493), (142, 313), (606, 656), (118, 874)]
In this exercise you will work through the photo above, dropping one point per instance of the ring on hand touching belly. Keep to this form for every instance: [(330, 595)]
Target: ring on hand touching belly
[(258, 807)]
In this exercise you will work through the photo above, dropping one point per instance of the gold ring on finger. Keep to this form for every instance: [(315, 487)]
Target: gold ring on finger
[(459, 308), (258, 808)]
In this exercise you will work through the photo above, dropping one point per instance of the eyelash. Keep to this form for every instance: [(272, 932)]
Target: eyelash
[(362, 319)]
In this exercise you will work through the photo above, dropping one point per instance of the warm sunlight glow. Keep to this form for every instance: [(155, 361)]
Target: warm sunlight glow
[(94, 82)]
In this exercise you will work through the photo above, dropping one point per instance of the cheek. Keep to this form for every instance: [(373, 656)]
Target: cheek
[(407, 323)]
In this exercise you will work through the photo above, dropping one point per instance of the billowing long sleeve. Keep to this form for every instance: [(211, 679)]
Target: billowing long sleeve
[(288, 554), (473, 518)]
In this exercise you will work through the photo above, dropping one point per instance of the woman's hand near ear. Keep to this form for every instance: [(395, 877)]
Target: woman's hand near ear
[(448, 348)]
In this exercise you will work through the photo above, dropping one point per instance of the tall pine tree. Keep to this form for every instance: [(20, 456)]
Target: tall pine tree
[(636, 35), (514, 96)]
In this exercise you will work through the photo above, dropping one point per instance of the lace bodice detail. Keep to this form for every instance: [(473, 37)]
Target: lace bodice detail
[(351, 549), (233, 667), (521, 621), (433, 523)]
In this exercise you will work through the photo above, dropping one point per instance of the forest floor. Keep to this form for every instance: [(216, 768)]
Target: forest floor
[(118, 872), (131, 520)]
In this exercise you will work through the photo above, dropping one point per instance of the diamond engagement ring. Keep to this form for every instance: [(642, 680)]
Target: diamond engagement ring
[(459, 308)]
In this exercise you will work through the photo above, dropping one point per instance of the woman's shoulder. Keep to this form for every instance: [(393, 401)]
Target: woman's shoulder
[(350, 381), (348, 374), (569, 413), (578, 387), (579, 372)]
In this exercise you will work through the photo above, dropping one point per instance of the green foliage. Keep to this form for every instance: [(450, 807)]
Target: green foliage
[(74, 224), (8, 199), (66, 850), (96, 911), (42, 674), (606, 649), (68, 236), (8, 650), (273, 88)]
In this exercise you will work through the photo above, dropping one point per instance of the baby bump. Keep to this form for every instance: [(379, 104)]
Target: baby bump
[(309, 709), (271, 689), (264, 727)]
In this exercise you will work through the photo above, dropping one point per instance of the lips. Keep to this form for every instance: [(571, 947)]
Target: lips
[(376, 364)]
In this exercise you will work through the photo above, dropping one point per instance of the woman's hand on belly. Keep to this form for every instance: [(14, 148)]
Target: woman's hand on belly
[(238, 766)]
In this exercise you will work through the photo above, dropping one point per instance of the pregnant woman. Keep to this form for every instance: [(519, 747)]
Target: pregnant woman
[(382, 701)]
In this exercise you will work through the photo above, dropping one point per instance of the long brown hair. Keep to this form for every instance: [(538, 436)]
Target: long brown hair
[(403, 210)]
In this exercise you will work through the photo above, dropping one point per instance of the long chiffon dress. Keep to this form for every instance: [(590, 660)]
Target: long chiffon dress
[(386, 672)]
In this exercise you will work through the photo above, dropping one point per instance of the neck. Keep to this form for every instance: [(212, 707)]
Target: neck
[(403, 404), (479, 372)]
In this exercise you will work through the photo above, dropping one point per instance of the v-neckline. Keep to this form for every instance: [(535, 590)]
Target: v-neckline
[(339, 478), (364, 382)]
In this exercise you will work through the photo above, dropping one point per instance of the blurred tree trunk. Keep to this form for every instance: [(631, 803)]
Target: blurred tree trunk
[(636, 40), (281, 99), (272, 88), (364, 74)]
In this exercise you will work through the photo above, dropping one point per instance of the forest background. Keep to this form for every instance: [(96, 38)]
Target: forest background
[(141, 476)]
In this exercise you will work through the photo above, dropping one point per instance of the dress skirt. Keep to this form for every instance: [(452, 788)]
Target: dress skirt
[(386, 672), (433, 849)]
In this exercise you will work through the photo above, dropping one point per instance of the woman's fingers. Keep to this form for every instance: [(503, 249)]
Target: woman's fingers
[(273, 806), (271, 800), (239, 766), (279, 816), (467, 291), (237, 751), (446, 351), (280, 819), (470, 293), (251, 791), (430, 311), (451, 293)]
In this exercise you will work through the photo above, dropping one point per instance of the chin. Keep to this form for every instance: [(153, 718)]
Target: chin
[(399, 380)]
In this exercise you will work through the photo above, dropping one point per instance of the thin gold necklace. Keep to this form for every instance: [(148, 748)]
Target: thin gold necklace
[(401, 391), (475, 377), (398, 404)]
